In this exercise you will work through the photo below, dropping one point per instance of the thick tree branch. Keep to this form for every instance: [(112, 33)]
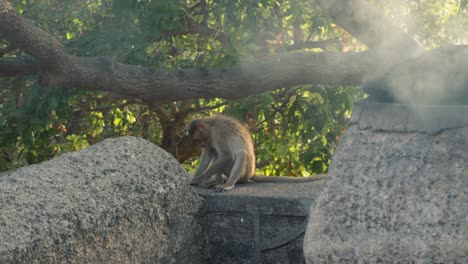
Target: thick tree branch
[(56, 67), (34, 41), (162, 86), (18, 66)]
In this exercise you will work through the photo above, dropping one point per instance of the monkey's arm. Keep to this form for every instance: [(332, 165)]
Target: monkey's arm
[(220, 162), (216, 167), (239, 169), (288, 179), (205, 160)]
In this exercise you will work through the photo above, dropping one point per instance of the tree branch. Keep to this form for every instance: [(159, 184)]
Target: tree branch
[(34, 41), (196, 28), (193, 27), (56, 67), (162, 86), (322, 44), (18, 66)]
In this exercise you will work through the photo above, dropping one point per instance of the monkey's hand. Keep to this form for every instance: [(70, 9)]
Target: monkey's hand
[(222, 187)]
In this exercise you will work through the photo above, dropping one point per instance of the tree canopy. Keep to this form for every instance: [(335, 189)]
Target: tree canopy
[(75, 72)]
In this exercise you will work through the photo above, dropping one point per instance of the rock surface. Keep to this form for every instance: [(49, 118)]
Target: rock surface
[(122, 200), (400, 190)]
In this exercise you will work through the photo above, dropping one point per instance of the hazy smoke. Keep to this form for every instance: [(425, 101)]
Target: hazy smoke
[(439, 76)]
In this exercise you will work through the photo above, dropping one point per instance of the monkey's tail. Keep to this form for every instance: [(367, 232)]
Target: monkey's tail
[(257, 178)]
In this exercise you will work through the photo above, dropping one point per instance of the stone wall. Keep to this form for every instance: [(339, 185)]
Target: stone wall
[(122, 200), (257, 222), (398, 190)]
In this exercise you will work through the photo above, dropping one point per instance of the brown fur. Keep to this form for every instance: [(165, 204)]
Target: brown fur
[(228, 149)]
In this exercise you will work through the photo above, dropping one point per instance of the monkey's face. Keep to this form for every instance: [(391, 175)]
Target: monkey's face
[(199, 132), (200, 138)]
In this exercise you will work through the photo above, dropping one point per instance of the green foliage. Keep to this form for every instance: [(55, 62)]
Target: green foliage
[(47, 121), (432, 22), (295, 128)]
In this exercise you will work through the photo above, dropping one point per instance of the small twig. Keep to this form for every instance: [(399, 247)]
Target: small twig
[(322, 44)]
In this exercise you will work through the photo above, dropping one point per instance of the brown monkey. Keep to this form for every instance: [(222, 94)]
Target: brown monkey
[(228, 150)]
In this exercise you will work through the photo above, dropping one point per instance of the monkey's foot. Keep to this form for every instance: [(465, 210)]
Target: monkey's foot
[(207, 184), (222, 187)]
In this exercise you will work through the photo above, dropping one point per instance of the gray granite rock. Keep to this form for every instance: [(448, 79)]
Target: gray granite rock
[(123, 200), (399, 190)]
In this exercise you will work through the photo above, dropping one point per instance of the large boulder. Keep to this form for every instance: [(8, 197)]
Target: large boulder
[(398, 190), (123, 200)]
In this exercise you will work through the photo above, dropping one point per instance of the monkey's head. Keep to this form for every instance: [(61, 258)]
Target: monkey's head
[(200, 133)]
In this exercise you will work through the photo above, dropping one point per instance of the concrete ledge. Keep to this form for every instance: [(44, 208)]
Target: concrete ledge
[(257, 223)]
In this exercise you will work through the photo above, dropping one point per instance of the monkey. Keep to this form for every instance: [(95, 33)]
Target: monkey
[(227, 150)]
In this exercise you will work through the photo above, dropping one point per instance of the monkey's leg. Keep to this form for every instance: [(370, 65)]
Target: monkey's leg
[(238, 170)]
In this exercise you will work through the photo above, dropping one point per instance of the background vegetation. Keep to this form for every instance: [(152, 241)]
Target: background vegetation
[(295, 129)]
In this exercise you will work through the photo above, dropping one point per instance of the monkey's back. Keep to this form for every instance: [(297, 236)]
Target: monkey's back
[(231, 129)]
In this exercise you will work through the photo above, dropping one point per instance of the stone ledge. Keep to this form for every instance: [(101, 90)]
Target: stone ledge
[(258, 222)]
